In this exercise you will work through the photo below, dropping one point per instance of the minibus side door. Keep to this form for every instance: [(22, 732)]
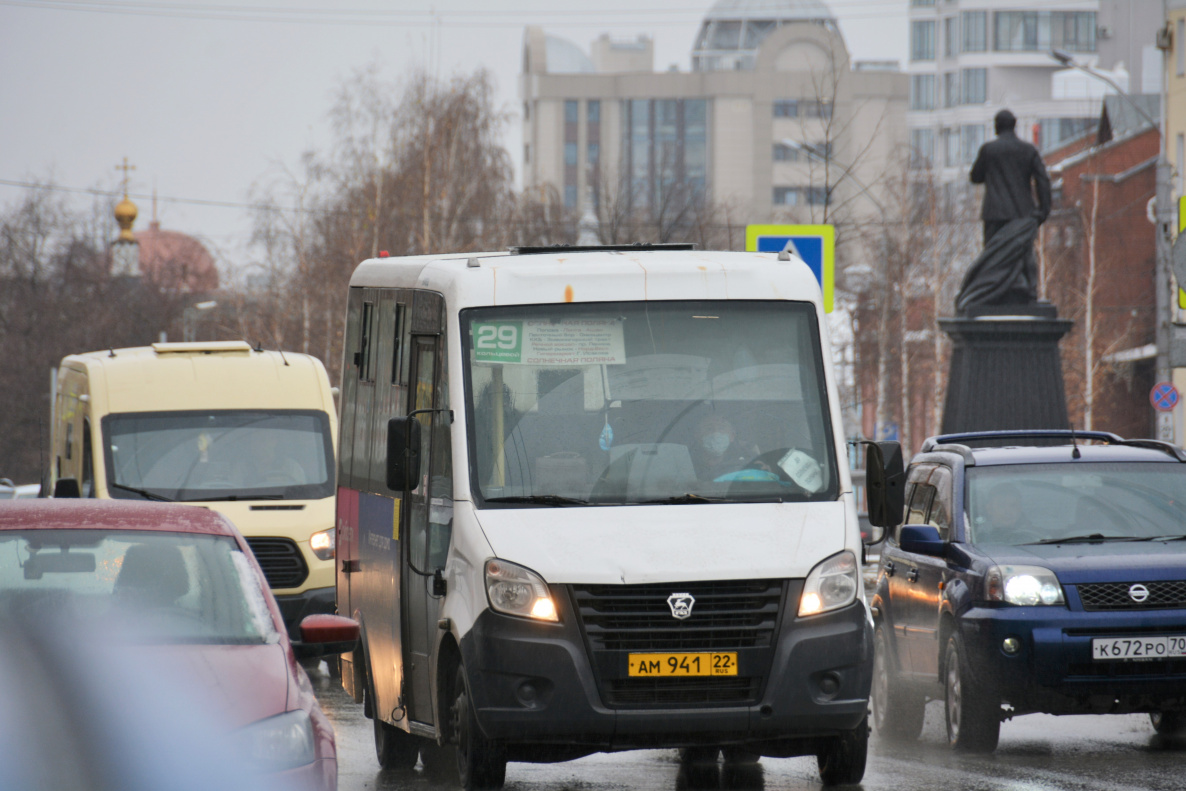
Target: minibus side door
[(419, 606)]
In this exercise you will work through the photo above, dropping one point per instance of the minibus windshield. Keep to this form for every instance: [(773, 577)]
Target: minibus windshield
[(1076, 502), (647, 402), (223, 455)]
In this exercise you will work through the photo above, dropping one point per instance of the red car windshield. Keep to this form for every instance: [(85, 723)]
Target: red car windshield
[(152, 587)]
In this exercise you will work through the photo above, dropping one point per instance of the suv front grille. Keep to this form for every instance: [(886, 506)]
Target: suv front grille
[(281, 560), (1115, 596), (726, 615)]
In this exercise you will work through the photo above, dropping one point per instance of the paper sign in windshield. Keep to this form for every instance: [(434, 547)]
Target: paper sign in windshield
[(552, 343)]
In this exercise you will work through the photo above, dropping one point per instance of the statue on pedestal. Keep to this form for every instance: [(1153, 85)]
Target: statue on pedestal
[(1012, 172)]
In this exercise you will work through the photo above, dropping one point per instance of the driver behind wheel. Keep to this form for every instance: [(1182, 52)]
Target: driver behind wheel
[(717, 451), (1004, 520), (273, 465)]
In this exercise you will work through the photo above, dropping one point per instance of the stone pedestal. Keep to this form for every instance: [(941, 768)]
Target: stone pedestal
[(1005, 369)]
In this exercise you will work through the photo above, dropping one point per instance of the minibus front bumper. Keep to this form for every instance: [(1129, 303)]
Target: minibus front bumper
[(535, 683)]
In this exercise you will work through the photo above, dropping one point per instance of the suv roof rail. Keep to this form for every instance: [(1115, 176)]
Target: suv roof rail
[(599, 248), (953, 441), (963, 451)]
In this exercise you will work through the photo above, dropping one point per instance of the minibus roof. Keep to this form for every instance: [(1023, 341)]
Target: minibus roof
[(475, 279), (193, 376)]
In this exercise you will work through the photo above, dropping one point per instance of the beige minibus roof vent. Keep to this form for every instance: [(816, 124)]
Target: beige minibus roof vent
[(201, 347)]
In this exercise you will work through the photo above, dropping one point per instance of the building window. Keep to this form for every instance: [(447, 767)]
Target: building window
[(527, 153), (922, 148), (922, 40), (951, 89), (971, 138), (922, 92), (951, 147), (1180, 47), (1039, 31), (802, 108), (785, 153), (593, 149), (974, 86), (1053, 132), (664, 151), (951, 36), (800, 196), (571, 155), (922, 3), (974, 25)]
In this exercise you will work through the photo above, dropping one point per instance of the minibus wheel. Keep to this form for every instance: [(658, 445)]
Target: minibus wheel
[(1167, 723), (481, 763), (842, 760), (394, 748)]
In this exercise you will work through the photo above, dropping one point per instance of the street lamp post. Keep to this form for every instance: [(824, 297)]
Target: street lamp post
[(1164, 221)]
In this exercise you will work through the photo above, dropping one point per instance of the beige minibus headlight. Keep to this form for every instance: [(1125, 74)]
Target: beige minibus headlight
[(322, 544), (514, 590), (831, 585)]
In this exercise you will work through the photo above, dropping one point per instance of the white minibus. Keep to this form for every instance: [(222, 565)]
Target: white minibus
[(596, 499)]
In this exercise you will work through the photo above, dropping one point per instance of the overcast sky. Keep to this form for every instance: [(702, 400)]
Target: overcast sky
[(207, 97)]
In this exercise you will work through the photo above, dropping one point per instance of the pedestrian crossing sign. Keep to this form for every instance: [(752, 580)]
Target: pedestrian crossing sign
[(815, 244)]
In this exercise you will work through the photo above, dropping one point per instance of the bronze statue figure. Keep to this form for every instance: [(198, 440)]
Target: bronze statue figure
[(1011, 170)]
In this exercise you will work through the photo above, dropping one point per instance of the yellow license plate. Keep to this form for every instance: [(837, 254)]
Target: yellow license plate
[(692, 664)]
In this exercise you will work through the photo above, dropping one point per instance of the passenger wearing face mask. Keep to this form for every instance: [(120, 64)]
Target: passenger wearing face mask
[(717, 451)]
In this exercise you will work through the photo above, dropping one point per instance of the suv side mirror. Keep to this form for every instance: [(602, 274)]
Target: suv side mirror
[(922, 540), (403, 454), (885, 479)]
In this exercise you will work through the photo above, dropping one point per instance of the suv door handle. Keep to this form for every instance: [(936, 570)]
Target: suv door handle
[(889, 568), (912, 575)]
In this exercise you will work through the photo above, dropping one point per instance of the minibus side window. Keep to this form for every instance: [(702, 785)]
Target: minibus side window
[(88, 461), (366, 340)]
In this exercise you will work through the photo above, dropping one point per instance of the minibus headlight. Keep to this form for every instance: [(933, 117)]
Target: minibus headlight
[(1024, 585), (515, 590), (831, 585), (322, 544)]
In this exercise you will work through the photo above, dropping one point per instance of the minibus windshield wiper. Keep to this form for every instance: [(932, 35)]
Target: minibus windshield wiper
[(540, 499), (1088, 539), (147, 495), (690, 497), (236, 497)]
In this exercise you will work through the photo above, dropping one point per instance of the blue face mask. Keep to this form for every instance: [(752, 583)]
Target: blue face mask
[(716, 443)]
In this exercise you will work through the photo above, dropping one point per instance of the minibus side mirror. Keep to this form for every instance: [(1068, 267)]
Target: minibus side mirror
[(403, 454), (885, 484)]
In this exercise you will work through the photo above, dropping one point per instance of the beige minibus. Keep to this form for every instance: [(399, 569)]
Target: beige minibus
[(249, 433)]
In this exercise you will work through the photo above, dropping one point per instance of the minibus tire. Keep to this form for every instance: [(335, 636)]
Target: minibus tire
[(395, 749), (481, 763), (1167, 723), (842, 760), (699, 755)]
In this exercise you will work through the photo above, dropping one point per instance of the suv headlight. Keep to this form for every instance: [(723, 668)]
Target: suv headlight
[(1024, 585), (278, 743), (832, 584), (322, 544), (515, 590)]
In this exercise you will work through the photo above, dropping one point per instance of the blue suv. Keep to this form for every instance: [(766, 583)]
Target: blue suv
[(1036, 571)]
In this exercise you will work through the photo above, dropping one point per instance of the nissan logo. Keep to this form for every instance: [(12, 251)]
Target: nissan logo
[(1138, 593)]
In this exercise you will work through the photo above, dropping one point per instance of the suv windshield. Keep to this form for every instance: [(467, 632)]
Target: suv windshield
[(228, 455), (154, 587), (1027, 503), (629, 402)]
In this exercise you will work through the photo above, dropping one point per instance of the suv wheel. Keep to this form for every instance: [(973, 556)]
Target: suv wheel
[(842, 760), (973, 713), (897, 711)]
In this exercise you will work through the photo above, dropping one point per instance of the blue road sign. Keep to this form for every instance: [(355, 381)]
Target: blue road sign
[(815, 244), (1164, 396)]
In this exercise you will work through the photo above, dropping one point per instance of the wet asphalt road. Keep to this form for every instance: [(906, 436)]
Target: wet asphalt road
[(1037, 753)]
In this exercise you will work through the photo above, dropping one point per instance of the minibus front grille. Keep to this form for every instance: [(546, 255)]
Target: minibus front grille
[(625, 692), (1100, 596), (281, 561), (725, 615)]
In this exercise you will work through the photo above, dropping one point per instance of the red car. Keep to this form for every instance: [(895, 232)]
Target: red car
[(155, 619)]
